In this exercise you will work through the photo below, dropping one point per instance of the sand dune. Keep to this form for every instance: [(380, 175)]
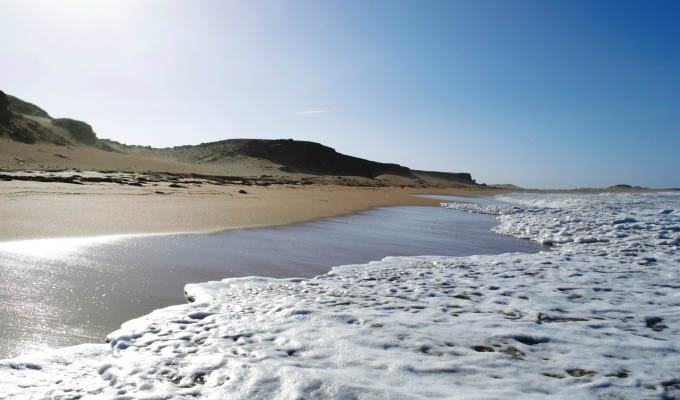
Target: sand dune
[(32, 139)]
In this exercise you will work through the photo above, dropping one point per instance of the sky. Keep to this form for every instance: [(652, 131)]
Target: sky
[(545, 94)]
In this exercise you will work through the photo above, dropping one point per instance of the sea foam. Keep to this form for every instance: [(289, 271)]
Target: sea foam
[(598, 315)]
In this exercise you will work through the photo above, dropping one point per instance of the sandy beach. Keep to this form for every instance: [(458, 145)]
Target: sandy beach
[(339, 200), (32, 210)]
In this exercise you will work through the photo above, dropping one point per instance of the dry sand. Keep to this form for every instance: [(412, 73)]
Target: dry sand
[(43, 210), (31, 209)]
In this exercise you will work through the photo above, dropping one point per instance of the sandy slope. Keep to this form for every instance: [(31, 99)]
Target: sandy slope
[(44, 156)]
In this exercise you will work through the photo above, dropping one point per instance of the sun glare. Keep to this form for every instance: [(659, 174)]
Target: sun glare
[(55, 248)]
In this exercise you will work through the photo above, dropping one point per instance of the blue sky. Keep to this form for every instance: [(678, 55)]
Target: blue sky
[(537, 93)]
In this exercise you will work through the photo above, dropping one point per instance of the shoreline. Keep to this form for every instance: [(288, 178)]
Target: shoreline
[(528, 313), (120, 203), (39, 210), (358, 238)]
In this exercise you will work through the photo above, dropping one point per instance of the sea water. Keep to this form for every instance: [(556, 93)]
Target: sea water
[(61, 292), (598, 316)]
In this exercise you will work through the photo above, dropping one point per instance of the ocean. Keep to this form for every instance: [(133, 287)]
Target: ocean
[(63, 292)]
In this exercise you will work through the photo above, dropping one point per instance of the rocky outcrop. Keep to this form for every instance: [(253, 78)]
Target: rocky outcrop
[(5, 113), (317, 158), (461, 177), (294, 156)]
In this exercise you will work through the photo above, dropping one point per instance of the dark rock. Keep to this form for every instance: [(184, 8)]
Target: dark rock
[(671, 384), (622, 373), (5, 113), (300, 156), (577, 372), (529, 340), (242, 191), (513, 352), (461, 177), (552, 375), (655, 324), (547, 318)]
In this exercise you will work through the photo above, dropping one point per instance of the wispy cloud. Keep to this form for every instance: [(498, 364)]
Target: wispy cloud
[(307, 112)]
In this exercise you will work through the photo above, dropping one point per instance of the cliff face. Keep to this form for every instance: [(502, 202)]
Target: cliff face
[(314, 157), (462, 177)]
